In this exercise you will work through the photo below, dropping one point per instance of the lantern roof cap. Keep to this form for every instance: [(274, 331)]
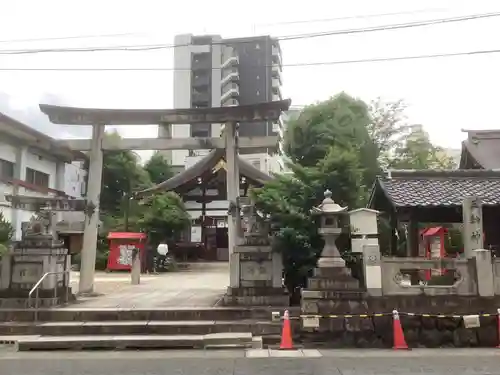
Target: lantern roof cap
[(328, 206)]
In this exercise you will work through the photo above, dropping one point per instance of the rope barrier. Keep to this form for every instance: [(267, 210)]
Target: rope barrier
[(338, 316)]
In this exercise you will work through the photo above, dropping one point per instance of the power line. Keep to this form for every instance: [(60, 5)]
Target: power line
[(319, 63), (344, 18), (91, 36), (282, 38), (67, 38)]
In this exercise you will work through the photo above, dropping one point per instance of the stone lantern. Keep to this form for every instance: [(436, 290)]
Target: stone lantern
[(330, 229)]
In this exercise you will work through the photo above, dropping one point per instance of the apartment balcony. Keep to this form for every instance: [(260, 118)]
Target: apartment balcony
[(276, 73), (231, 103), (276, 87), (233, 76), (276, 56), (231, 91), (276, 96), (231, 60)]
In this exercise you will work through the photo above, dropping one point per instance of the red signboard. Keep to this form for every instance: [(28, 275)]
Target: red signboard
[(121, 245)]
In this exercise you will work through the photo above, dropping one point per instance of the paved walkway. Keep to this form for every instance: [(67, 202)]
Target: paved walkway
[(201, 286), (236, 362)]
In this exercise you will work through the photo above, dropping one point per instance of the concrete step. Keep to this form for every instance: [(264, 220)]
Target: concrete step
[(155, 314), (235, 340), (123, 327)]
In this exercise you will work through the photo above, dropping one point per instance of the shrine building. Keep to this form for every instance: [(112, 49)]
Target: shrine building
[(203, 189)]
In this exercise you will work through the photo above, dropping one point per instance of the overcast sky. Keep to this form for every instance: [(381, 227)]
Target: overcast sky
[(444, 94)]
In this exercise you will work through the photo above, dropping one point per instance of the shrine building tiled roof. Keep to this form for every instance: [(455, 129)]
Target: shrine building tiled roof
[(433, 188)]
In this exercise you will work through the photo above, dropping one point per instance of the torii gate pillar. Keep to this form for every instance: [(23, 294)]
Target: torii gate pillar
[(233, 193), (89, 248)]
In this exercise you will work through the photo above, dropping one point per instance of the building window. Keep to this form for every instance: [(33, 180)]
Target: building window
[(6, 169), (200, 130), (37, 178)]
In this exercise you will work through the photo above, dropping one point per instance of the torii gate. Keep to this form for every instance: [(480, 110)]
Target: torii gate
[(98, 118)]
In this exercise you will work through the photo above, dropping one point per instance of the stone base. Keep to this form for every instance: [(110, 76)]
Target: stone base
[(256, 296)]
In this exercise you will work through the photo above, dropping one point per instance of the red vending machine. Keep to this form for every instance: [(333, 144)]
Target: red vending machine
[(121, 245)]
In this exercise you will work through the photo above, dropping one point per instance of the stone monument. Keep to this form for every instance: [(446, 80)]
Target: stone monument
[(260, 269), (472, 212), (331, 288), (37, 253)]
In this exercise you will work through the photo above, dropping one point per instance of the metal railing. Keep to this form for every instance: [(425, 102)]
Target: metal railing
[(36, 289)]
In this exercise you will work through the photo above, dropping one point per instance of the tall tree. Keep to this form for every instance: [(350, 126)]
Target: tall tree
[(158, 168), (121, 175), (340, 121), (418, 152), (388, 128), (329, 147)]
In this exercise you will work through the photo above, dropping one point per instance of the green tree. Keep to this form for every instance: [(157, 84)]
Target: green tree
[(418, 152), (158, 168), (388, 128), (328, 146), (341, 121), (164, 216), (121, 175), (6, 234)]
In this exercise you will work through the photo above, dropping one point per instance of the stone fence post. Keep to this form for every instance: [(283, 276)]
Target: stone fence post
[(372, 270), (484, 273)]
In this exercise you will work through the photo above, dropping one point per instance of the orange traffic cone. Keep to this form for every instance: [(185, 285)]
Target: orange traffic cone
[(286, 333), (399, 336), (498, 327)]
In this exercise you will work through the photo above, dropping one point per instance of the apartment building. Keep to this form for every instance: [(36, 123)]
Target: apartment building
[(212, 72), (34, 164)]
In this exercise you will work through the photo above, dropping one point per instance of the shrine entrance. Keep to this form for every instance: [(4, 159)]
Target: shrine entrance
[(230, 144)]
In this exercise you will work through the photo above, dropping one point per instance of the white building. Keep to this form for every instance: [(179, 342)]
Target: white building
[(211, 71), (34, 164)]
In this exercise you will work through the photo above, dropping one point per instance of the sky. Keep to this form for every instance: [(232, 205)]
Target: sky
[(445, 95)]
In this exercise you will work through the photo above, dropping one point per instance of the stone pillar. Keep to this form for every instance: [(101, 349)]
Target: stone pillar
[(484, 273), (233, 192), (135, 272), (364, 239), (88, 257), (19, 174), (472, 212), (372, 270), (60, 184), (412, 238)]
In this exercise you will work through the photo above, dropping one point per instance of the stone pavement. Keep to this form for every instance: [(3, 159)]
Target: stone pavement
[(201, 286), (237, 362)]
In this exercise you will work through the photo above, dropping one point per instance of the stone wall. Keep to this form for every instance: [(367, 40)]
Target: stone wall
[(371, 323), (420, 332)]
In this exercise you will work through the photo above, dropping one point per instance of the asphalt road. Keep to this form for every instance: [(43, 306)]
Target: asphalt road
[(353, 362)]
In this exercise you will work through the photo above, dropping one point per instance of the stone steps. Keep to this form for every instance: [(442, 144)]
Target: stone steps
[(155, 314), (122, 342), (124, 327)]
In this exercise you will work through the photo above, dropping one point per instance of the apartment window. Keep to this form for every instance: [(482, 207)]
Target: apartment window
[(6, 169), (200, 130), (37, 178)]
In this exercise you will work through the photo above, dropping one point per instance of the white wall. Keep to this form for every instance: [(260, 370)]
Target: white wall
[(70, 182)]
